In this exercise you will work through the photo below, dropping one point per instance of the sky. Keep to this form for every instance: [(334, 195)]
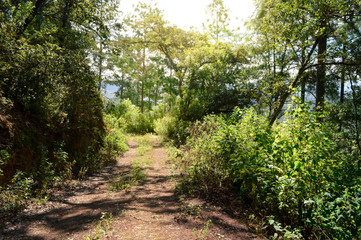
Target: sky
[(187, 13)]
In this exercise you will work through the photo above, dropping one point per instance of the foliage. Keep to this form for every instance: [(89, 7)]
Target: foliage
[(301, 169), (130, 118), (293, 171), (102, 228), (299, 44), (114, 141), (4, 157), (138, 167), (51, 123), (17, 195), (203, 232), (172, 129)]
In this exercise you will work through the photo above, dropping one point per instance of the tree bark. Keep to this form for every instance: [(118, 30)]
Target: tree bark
[(286, 92), (142, 97), (303, 89), (321, 69), (342, 90), (29, 19)]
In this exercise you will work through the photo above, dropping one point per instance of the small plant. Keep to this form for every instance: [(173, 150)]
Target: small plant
[(143, 149), (136, 174), (282, 232), (17, 194), (114, 141), (190, 209), (4, 157), (203, 232), (103, 227), (146, 143), (82, 172)]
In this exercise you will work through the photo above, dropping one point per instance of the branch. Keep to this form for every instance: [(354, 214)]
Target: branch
[(29, 19), (334, 63), (294, 83)]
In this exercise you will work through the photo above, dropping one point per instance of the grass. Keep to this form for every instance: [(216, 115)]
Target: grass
[(201, 234), (145, 142), (102, 228), (139, 165), (136, 174), (190, 209)]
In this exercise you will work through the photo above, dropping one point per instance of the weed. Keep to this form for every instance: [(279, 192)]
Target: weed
[(146, 143), (203, 232), (143, 150), (82, 172), (102, 229), (136, 174), (143, 162), (17, 194), (190, 209)]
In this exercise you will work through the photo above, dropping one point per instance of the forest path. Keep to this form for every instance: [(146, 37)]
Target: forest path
[(143, 206)]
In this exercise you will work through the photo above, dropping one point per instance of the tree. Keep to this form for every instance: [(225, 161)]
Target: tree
[(305, 28), (47, 85), (217, 26)]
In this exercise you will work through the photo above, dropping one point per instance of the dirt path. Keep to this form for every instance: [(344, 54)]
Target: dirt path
[(148, 210)]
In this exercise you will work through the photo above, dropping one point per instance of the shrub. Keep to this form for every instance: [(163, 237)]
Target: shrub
[(114, 141), (292, 170), (172, 129), (128, 117)]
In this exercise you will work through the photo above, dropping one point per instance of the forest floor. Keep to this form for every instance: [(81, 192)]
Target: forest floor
[(133, 199)]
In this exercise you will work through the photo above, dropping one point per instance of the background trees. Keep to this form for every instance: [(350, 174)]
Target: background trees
[(305, 35), (50, 98)]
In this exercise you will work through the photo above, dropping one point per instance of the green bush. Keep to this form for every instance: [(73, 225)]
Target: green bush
[(172, 129), (114, 141), (337, 214), (4, 157), (16, 195), (291, 170), (128, 117)]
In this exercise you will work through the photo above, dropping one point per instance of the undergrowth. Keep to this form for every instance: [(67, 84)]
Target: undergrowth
[(102, 229), (36, 186), (139, 165), (131, 179), (296, 176)]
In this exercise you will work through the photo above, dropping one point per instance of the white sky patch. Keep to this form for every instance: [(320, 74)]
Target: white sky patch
[(188, 13)]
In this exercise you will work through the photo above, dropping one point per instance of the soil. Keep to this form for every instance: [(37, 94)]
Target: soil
[(149, 210)]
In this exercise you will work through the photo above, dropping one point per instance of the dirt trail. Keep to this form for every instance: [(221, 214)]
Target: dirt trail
[(150, 210)]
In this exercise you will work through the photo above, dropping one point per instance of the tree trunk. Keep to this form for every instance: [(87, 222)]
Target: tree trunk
[(286, 93), (156, 95), (100, 64), (303, 81), (122, 86), (303, 90), (342, 91), (321, 70), (150, 99), (143, 80), (65, 21), (142, 98), (35, 11)]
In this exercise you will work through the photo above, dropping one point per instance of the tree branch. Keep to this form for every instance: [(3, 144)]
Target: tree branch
[(286, 93), (30, 17)]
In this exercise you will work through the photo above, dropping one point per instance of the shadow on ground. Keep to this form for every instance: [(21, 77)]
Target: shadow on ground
[(76, 210)]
